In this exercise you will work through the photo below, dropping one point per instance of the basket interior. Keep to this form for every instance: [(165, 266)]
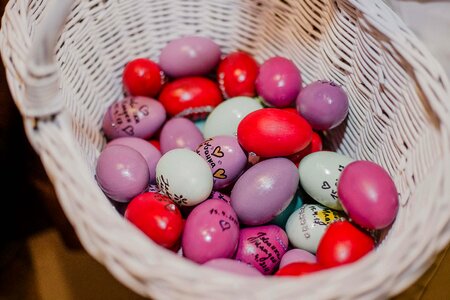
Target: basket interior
[(388, 122)]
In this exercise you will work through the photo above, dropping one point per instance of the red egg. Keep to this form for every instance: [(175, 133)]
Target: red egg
[(272, 132), (343, 243), (157, 216), (299, 268), (156, 144), (237, 74), (142, 77), (190, 97), (314, 146)]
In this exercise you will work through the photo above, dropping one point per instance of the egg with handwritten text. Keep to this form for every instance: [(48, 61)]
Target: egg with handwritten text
[(262, 247), (133, 116), (319, 175), (264, 190), (225, 157), (211, 231), (184, 177), (306, 226)]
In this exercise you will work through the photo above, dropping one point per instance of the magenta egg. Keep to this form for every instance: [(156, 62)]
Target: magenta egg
[(147, 150), (211, 231), (368, 194), (233, 266), (178, 133), (225, 157), (122, 173), (297, 255), (262, 247), (279, 82), (264, 190), (323, 104), (189, 56), (133, 116)]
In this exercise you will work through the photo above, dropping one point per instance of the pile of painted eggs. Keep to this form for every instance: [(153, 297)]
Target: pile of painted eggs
[(219, 159)]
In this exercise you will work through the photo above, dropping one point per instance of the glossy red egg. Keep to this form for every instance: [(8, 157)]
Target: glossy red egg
[(343, 243), (299, 268), (314, 146), (190, 97), (158, 217), (237, 74), (272, 132), (142, 77)]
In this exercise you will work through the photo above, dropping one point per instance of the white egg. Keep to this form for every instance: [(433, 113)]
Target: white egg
[(184, 176), (225, 118), (319, 174), (306, 226)]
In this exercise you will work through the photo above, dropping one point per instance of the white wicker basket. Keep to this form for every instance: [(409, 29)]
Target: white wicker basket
[(400, 118)]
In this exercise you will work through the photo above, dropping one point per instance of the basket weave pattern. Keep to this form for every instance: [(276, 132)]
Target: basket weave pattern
[(399, 117)]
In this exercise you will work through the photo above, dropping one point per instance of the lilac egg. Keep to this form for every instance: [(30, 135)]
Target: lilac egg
[(189, 56), (279, 81), (264, 190), (221, 196), (133, 116), (225, 158), (323, 104), (147, 150), (211, 231), (368, 194), (297, 255), (179, 133), (233, 266), (262, 247), (122, 173)]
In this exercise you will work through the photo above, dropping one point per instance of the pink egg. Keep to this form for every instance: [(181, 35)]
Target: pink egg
[(262, 247), (147, 150), (133, 116), (279, 82), (221, 196), (121, 172), (233, 266), (180, 133), (211, 231), (297, 255), (368, 194)]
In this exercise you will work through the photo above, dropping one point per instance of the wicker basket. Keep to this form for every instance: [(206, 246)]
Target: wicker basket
[(400, 118)]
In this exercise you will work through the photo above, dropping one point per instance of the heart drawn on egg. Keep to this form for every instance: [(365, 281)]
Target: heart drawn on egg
[(224, 225), (218, 152), (220, 174), (325, 185)]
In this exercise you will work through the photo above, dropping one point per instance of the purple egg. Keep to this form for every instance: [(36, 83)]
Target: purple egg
[(233, 266), (133, 116), (264, 190), (368, 194), (221, 196), (189, 56), (323, 104), (147, 150), (179, 133), (262, 247), (211, 231), (297, 255), (122, 173), (279, 81), (225, 157)]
